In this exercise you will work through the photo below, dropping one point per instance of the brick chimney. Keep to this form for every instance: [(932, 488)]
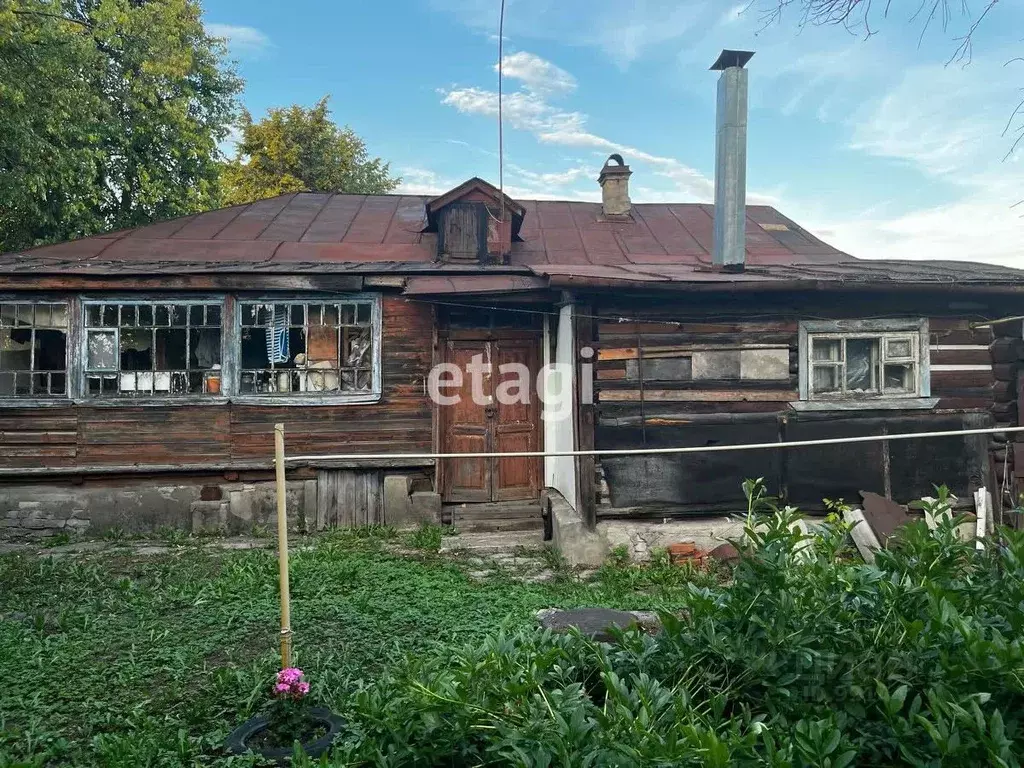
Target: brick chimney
[(614, 181)]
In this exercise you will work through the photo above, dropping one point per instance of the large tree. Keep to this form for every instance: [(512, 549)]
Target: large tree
[(110, 115), (301, 150)]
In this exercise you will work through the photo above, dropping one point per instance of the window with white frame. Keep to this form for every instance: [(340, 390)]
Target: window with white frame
[(33, 349), (310, 348), (852, 360), (135, 349)]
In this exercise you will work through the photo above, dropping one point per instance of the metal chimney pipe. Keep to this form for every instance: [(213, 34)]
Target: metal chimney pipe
[(731, 161)]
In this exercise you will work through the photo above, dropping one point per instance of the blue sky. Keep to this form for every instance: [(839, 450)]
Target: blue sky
[(876, 144)]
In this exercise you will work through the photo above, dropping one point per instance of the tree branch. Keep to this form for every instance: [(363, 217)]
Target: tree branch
[(46, 14)]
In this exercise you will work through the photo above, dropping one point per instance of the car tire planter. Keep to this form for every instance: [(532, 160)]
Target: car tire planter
[(238, 741)]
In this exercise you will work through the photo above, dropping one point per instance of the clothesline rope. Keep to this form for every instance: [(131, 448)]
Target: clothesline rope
[(654, 451)]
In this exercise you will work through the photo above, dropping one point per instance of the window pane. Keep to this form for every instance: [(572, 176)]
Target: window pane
[(109, 318), (51, 352), (862, 365), (826, 349), (15, 349), (322, 346), (163, 315), (825, 379), (136, 349), (170, 349), (213, 315), (102, 351), (204, 347), (898, 348), (179, 315), (146, 316), (899, 377), (33, 342), (363, 314), (357, 350)]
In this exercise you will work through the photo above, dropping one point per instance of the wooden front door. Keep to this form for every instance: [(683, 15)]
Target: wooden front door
[(491, 426)]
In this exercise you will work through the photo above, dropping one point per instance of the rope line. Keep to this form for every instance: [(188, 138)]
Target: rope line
[(657, 451)]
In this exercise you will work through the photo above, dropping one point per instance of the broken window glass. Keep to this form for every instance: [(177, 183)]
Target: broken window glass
[(138, 349), (307, 347), (33, 349)]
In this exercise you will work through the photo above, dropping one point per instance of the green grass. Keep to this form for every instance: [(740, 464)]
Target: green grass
[(115, 659)]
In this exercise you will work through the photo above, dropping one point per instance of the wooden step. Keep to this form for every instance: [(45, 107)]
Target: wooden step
[(495, 516)]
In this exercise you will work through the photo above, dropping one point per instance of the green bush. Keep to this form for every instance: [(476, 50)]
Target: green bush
[(807, 658)]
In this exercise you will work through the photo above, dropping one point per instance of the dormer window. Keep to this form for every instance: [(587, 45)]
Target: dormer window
[(475, 224)]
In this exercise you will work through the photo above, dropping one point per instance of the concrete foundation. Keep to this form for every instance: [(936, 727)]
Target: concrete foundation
[(580, 546), (37, 511)]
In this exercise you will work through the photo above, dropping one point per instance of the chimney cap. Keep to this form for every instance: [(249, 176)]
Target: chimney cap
[(727, 59), (618, 169)]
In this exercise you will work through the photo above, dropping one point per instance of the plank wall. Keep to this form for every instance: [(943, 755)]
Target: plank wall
[(223, 435)]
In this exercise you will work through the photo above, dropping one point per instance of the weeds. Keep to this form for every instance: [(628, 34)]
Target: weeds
[(804, 660), (112, 659), (427, 538)]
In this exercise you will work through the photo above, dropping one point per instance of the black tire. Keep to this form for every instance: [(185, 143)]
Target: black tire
[(237, 742)]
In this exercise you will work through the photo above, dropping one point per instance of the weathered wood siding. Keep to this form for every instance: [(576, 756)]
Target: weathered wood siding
[(222, 435), (716, 382)]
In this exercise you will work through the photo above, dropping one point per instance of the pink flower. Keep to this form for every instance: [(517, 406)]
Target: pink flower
[(303, 689), (282, 688), (290, 675)]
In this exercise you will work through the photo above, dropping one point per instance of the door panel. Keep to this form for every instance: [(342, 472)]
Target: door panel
[(487, 427), (515, 427), (467, 430)]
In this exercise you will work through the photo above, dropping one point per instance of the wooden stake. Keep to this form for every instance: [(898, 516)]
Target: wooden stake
[(282, 548)]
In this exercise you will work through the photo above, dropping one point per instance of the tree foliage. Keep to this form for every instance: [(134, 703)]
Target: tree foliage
[(301, 150), (111, 115)]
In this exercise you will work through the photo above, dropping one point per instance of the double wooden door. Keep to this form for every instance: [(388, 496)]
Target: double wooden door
[(499, 417)]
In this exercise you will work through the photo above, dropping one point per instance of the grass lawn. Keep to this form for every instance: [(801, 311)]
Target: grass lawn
[(121, 659)]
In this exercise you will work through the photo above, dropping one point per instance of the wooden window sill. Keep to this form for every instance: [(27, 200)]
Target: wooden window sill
[(887, 404)]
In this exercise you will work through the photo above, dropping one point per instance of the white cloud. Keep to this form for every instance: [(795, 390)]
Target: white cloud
[(240, 39), (735, 13), (947, 124), (623, 31), (537, 74), (421, 181), (532, 111)]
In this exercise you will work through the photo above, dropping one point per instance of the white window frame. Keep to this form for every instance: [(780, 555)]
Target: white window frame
[(34, 400), (372, 395), (885, 331), (82, 348)]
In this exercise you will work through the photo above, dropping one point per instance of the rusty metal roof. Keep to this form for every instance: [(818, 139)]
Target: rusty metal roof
[(565, 242)]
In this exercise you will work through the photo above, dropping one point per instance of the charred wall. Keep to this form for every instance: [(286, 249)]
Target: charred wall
[(705, 372)]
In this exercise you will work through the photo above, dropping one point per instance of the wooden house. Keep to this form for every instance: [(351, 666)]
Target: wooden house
[(141, 371)]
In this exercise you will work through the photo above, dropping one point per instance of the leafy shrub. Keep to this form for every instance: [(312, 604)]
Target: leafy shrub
[(806, 659)]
